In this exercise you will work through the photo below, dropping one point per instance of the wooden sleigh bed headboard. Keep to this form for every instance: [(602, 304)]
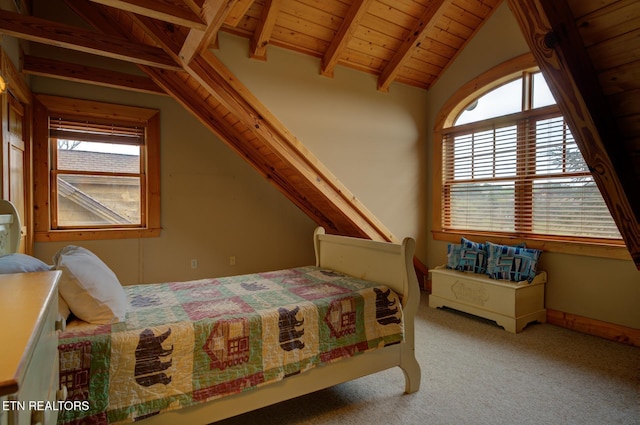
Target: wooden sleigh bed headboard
[(379, 262)]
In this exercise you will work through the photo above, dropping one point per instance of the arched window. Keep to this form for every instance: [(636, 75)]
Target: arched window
[(510, 167)]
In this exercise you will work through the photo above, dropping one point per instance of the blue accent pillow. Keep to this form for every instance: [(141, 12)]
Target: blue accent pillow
[(453, 256), (473, 257), (512, 262), (21, 263)]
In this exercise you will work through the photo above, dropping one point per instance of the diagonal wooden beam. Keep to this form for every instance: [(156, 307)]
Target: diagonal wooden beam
[(554, 39), (98, 16), (104, 20), (174, 11), (55, 34), (264, 29), (434, 10), (214, 13), (195, 101), (86, 74), (228, 90), (194, 5), (340, 41), (171, 42), (312, 187), (237, 12), (173, 83)]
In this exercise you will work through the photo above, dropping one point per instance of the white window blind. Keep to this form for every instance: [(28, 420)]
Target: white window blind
[(95, 131), (523, 174)]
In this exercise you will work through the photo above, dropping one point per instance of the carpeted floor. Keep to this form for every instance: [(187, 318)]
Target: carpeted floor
[(473, 372)]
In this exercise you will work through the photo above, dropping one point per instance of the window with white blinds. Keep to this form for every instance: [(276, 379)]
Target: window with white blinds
[(522, 174), (98, 170)]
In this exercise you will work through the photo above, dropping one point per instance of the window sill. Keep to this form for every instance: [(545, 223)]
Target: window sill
[(591, 249), (83, 235)]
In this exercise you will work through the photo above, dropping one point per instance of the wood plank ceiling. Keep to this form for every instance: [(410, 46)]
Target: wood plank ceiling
[(400, 41)]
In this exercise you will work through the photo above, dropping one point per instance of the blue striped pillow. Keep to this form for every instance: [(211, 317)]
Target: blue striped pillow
[(473, 257), (453, 256), (512, 263)]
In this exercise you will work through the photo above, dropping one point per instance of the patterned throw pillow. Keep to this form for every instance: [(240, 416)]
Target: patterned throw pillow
[(512, 263), (453, 256), (473, 257)]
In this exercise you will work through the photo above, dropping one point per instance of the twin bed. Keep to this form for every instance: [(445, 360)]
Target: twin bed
[(201, 351)]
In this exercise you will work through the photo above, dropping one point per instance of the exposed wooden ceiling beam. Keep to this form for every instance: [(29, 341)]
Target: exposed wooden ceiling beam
[(55, 34), (434, 10), (347, 29), (237, 12), (228, 90), (223, 86), (553, 37), (216, 82), (171, 41), (195, 101), (174, 11), (100, 20), (214, 13), (194, 5), (264, 29), (227, 131), (86, 74)]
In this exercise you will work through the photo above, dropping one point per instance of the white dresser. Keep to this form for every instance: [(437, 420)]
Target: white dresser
[(29, 348)]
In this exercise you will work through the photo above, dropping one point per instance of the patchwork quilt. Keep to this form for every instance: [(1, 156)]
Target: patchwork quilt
[(189, 342)]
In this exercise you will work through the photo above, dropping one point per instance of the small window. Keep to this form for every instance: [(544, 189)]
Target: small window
[(98, 173), (511, 168), (102, 170)]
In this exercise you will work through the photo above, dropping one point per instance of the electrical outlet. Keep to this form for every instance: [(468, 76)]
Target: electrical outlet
[(194, 263), (232, 260)]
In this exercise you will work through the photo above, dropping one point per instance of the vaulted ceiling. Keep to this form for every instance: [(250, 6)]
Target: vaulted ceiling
[(588, 51)]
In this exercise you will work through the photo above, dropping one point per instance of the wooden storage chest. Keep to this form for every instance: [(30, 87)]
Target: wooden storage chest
[(511, 305)]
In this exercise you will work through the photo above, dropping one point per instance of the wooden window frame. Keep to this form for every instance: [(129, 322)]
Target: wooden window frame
[(47, 106), (448, 114)]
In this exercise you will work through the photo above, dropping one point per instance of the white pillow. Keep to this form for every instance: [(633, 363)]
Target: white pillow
[(92, 291), (63, 308)]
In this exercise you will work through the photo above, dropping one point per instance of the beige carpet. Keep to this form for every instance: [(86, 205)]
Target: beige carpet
[(474, 372)]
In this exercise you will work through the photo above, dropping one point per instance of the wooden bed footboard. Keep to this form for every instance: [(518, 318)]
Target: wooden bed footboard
[(380, 262)]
